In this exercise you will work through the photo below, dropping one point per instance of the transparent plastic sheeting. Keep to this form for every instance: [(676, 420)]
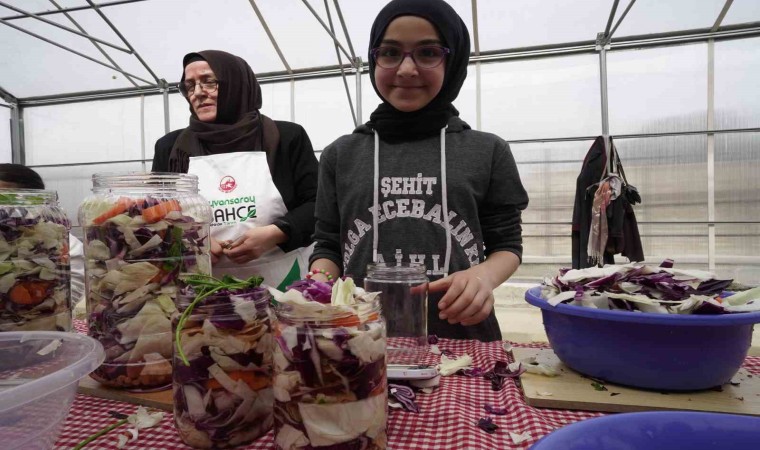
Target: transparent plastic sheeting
[(547, 169), (737, 182), (658, 90), (664, 16), (5, 135), (525, 23), (541, 98), (743, 11), (101, 131), (162, 32), (737, 97), (670, 173)]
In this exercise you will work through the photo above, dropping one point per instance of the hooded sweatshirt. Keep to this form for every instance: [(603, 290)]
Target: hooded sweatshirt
[(448, 216)]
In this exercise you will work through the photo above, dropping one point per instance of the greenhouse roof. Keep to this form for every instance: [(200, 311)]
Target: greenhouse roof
[(63, 50)]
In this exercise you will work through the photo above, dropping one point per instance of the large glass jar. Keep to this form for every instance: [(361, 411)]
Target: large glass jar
[(35, 292), (330, 384), (223, 373), (142, 232), (403, 292)]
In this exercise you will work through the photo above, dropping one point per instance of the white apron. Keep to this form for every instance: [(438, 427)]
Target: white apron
[(242, 195)]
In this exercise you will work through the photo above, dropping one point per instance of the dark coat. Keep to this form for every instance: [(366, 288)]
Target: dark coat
[(623, 230)]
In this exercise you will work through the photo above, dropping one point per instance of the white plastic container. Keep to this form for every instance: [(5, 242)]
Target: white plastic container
[(38, 382)]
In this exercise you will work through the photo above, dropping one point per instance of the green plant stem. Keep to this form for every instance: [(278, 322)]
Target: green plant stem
[(183, 318), (207, 285), (100, 433)]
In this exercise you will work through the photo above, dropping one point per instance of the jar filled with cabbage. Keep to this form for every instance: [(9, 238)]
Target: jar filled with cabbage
[(222, 362), (142, 233), (330, 385), (35, 277)]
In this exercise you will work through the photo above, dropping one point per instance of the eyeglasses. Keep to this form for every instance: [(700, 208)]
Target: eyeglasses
[(425, 57), (188, 88)]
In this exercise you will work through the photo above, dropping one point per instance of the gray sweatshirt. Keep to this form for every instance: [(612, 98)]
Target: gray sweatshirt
[(479, 191)]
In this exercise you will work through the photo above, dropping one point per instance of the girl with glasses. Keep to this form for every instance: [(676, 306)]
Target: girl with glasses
[(259, 175), (416, 183)]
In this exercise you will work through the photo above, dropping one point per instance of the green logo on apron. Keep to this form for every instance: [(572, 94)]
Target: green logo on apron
[(251, 215), (293, 275)]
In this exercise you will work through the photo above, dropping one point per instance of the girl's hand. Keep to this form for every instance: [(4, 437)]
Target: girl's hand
[(320, 277), (254, 243), (468, 299)]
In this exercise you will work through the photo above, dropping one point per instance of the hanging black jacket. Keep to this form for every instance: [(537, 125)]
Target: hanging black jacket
[(623, 233)]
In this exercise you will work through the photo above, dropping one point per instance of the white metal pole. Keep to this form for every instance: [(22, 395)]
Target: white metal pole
[(711, 237), (358, 64), (18, 155), (165, 88), (603, 45)]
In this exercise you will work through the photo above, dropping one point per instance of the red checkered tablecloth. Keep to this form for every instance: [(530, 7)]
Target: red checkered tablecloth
[(447, 417)]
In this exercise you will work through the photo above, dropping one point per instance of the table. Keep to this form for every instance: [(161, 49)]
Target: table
[(447, 418)]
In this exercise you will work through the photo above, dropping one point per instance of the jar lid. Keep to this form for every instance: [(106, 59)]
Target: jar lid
[(145, 182), (27, 197), (396, 271)]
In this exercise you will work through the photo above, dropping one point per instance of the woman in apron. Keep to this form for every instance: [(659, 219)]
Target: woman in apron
[(259, 175)]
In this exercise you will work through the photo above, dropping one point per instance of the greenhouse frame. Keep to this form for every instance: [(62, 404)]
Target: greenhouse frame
[(88, 87)]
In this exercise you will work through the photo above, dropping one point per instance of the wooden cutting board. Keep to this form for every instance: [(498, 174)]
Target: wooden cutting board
[(159, 400), (570, 390)]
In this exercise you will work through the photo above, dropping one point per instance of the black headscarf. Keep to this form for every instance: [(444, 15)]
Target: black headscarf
[(21, 176), (238, 125), (395, 125)]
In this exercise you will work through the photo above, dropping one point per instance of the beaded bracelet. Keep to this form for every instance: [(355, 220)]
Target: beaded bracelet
[(316, 271)]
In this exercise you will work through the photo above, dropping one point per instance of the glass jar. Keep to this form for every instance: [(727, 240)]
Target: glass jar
[(35, 277), (223, 375), (330, 385), (403, 292), (141, 233)]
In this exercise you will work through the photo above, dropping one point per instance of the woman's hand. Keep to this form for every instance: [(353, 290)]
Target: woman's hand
[(254, 243), (216, 251), (468, 299)]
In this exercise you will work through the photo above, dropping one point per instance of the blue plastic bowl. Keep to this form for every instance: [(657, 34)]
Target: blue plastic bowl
[(646, 350), (662, 430)]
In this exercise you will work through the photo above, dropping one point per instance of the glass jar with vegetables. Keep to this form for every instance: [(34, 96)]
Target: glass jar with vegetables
[(330, 385), (222, 362), (142, 232), (34, 262)]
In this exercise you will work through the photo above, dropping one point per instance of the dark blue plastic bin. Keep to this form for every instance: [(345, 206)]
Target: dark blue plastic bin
[(662, 430), (646, 350)]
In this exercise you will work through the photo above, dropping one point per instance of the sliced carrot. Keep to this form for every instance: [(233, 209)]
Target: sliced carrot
[(353, 320), (20, 296), (29, 292), (158, 212), (348, 321), (65, 252), (158, 277), (254, 380), (121, 206)]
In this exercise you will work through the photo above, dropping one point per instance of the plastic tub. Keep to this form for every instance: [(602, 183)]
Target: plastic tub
[(661, 430), (646, 350), (36, 390)]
